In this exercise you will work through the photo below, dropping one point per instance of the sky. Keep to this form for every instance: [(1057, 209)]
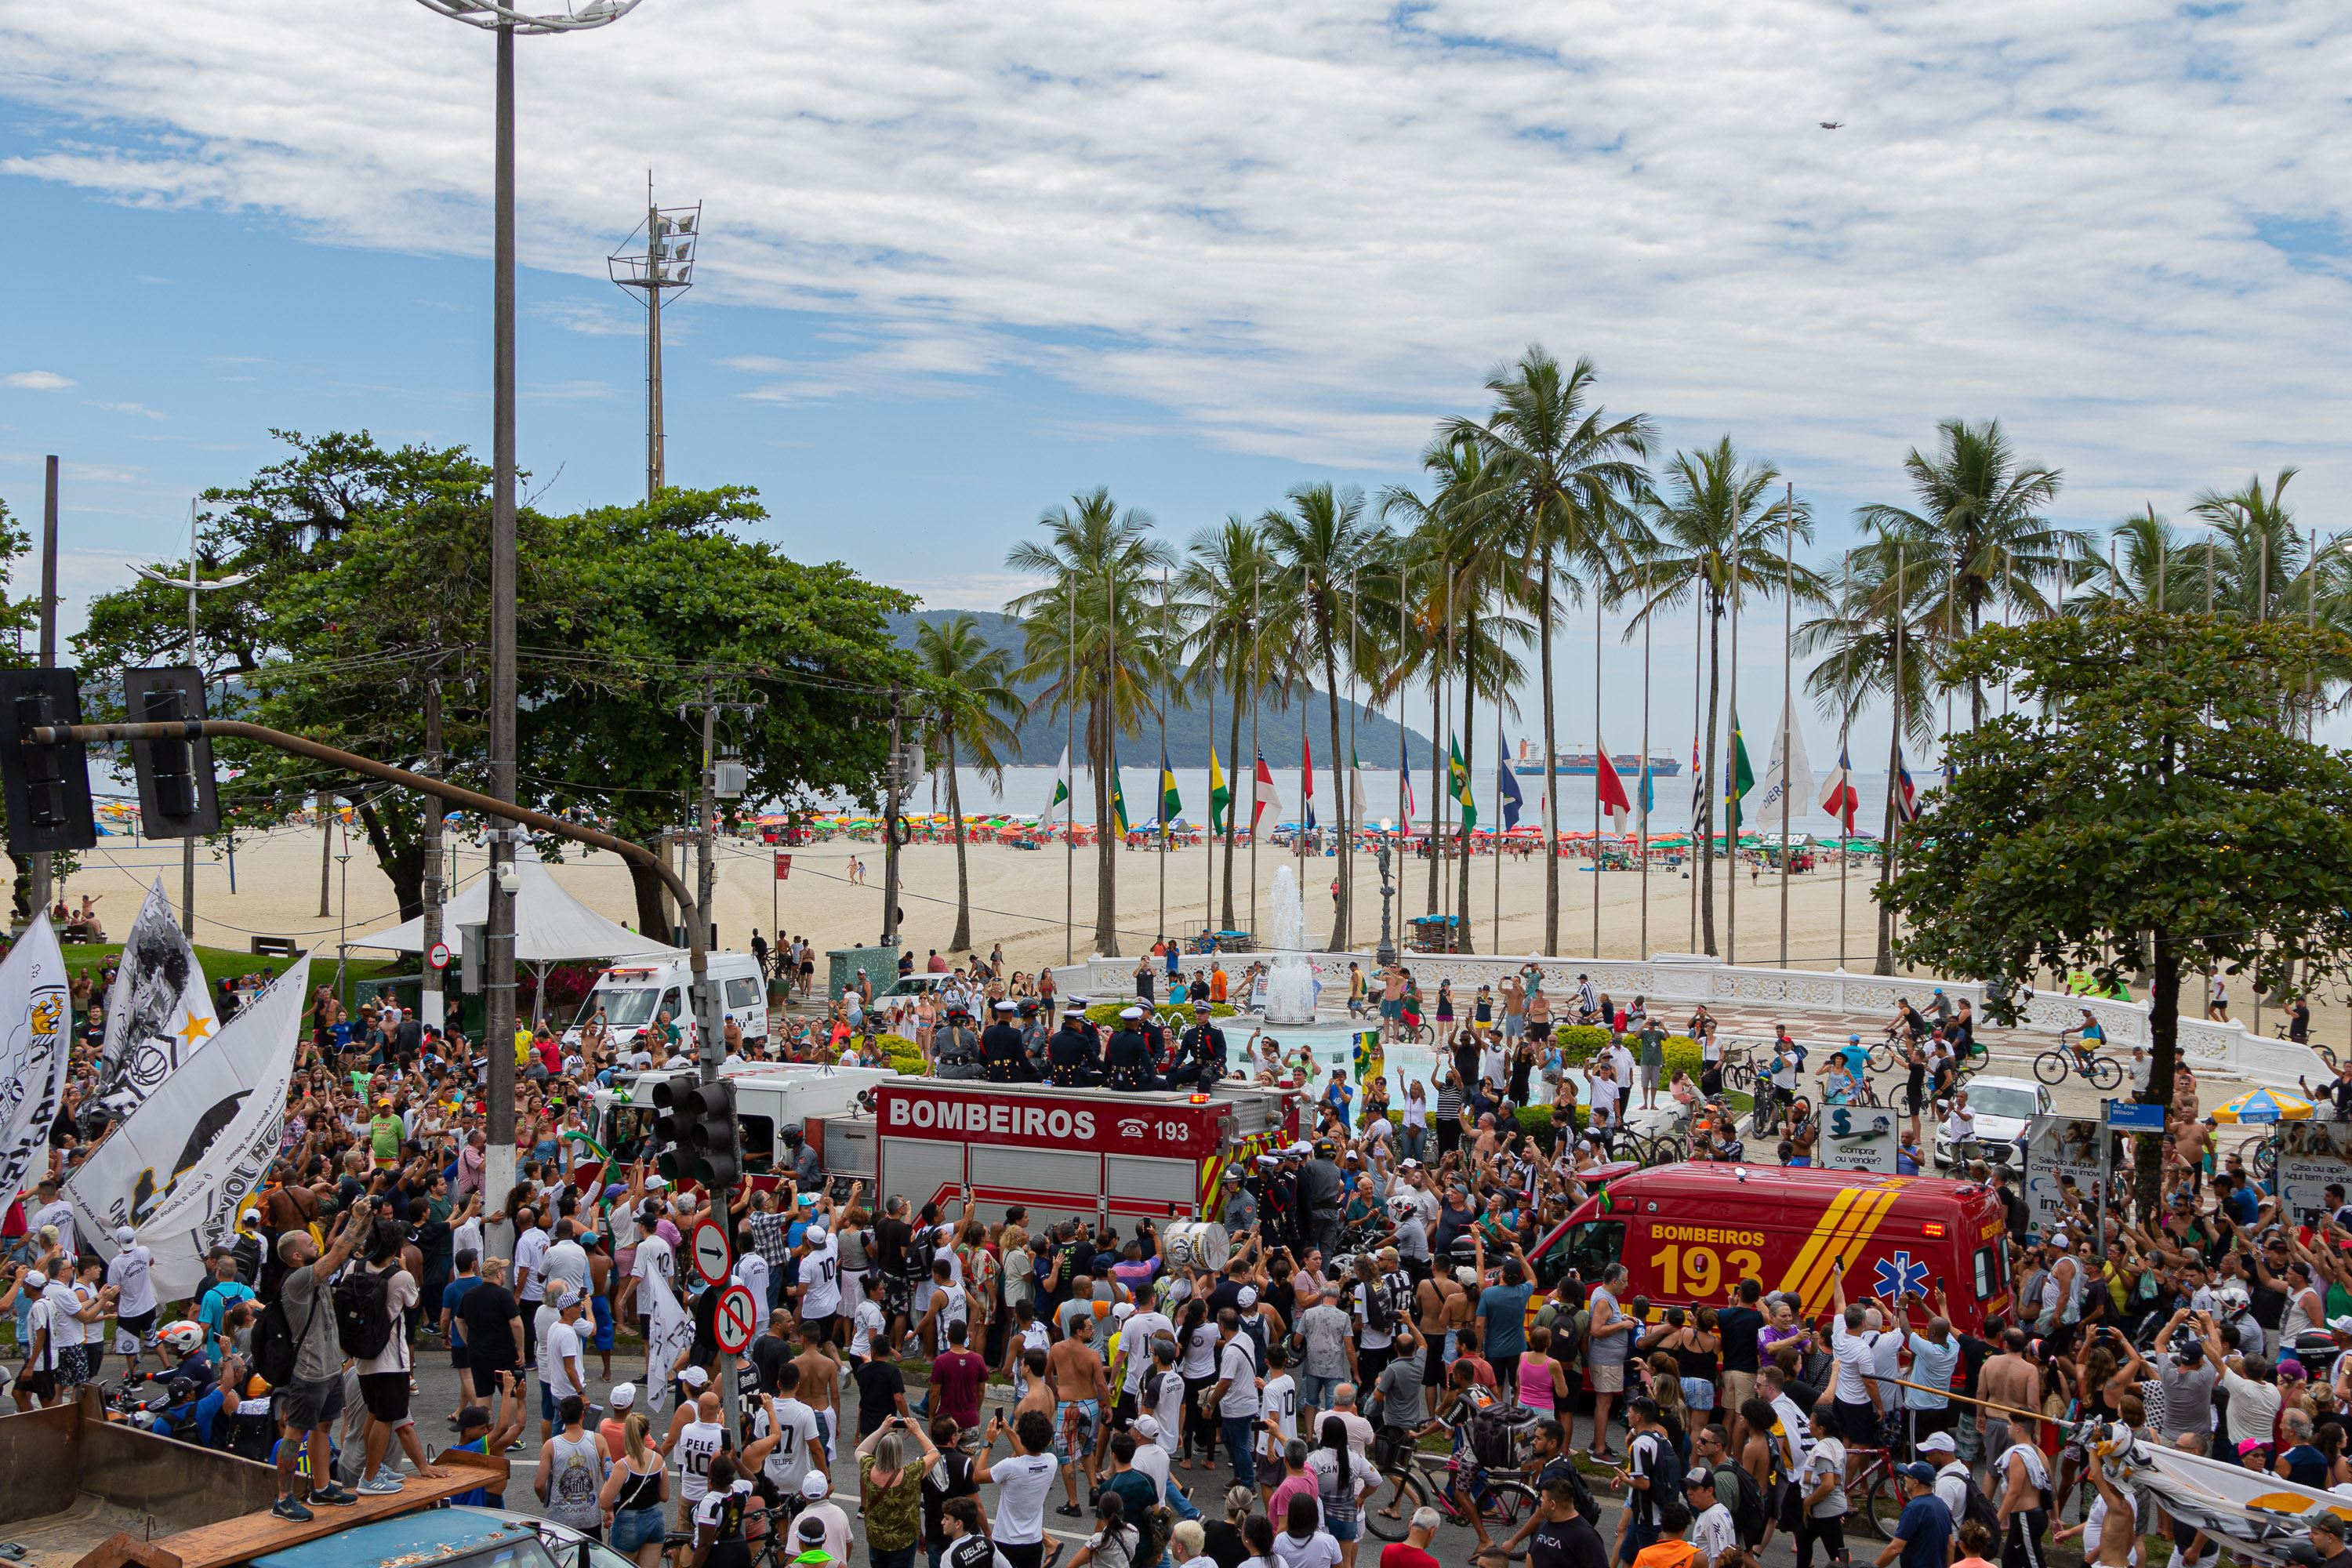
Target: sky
[(962, 261)]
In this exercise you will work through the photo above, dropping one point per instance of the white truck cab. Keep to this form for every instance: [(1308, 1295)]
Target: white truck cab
[(769, 1097), (634, 992)]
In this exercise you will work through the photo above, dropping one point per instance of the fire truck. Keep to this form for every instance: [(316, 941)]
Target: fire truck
[(1090, 1154), (769, 1096)]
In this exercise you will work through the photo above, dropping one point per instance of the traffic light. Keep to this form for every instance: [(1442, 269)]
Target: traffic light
[(47, 788), (713, 1137), (177, 794), (671, 1157)]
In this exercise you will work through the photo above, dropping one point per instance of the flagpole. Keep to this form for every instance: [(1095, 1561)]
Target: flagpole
[(1788, 697), (1069, 786), (1698, 771), (1599, 760), (1645, 953), (1895, 781), (1106, 908), (1502, 761), (1257, 610), (1441, 672), (1166, 778), (1347, 835), (1209, 839), (1845, 839), (1404, 774), (1731, 781)]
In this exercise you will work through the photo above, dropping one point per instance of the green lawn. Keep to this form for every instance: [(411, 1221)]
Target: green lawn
[(219, 963)]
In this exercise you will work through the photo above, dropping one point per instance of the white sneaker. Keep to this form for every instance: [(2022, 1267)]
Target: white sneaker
[(380, 1484)]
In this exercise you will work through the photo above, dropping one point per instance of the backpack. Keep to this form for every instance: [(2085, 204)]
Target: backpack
[(1380, 1316), (1490, 1439), (275, 1345), (364, 1312), (1748, 1514), (1979, 1508), (1666, 1475)]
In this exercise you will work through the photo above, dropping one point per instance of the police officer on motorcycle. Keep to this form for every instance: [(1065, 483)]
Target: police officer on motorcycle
[(1129, 1055), (1201, 1053), (1007, 1056), (960, 1055), (1322, 1190)]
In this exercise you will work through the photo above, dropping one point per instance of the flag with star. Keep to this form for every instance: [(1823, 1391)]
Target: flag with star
[(1170, 803), (158, 1011), (1118, 800), (1457, 781), (1221, 797)]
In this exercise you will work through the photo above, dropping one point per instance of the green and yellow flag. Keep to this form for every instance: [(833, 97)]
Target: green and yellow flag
[(1221, 797), (1169, 805), (1457, 781), (1117, 801), (1740, 778)]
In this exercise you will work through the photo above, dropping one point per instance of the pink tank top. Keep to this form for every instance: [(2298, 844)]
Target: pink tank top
[(1535, 1381)]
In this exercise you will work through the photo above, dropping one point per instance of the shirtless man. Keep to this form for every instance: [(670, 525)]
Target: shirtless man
[(1036, 1389), (2008, 1379), (1080, 1391), (820, 1387), (600, 1279), (1439, 1301)]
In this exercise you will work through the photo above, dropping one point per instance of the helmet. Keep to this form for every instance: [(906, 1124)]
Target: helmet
[(1325, 1148), (180, 1390), (1403, 1207), (2233, 1299), (182, 1338), (793, 1130), (1465, 1250)]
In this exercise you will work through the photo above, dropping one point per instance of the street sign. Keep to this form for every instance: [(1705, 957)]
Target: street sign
[(783, 867), (710, 1253), (735, 1321), (2131, 1116), (439, 956)]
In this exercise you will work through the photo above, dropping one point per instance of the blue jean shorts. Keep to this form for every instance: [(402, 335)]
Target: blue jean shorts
[(635, 1528), (1314, 1392)]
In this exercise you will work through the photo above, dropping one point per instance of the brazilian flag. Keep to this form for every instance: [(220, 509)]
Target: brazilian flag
[(1457, 781), (1221, 797), (1117, 801), (1740, 779), (1169, 805)]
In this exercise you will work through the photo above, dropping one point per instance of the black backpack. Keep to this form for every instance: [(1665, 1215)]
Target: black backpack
[(1380, 1316), (1666, 1478), (1490, 1439), (1979, 1508), (364, 1312), (1747, 1515), (276, 1347)]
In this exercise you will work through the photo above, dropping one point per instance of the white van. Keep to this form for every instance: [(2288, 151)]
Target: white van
[(634, 992)]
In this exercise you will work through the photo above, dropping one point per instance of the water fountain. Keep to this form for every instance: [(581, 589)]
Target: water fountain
[(1289, 981)]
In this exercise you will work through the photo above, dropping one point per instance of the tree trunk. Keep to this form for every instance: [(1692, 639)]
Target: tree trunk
[(961, 940), (1886, 964), (1552, 776), (652, 921), (1469, 750), (1338, 802), (1106, 835), (403, 862), (1233, 806), (2164, 1056), (1976, 686), (326, 855), (1704, 848)]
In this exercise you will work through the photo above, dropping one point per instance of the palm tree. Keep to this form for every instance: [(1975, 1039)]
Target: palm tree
[(2147, 567), (1982, 510), (1093, 550), (1570, 475), (1220, 585), (972, 700), (1718, 532), (1321, 542), (1891, 616), (2260, 549)]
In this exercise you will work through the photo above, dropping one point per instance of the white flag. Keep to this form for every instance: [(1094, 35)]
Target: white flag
[(1764, 807), (180, 1166), (34, 1042), (669, 1335), (158, 1012), (1061, 801)]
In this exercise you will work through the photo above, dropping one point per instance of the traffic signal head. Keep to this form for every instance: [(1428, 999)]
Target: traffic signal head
[(670, 1155), (176, 794), (713, 1136), (47, 787)]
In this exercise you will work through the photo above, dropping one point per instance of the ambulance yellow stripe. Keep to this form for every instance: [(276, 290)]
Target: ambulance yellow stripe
[(1867, 1214), (1829, 1224)]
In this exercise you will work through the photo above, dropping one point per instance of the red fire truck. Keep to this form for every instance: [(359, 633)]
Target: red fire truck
[(1090, 1154)]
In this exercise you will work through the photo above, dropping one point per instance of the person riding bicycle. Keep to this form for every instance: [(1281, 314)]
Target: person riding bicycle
[(1783, 1069), (2084, 1048), (1465, 1476)]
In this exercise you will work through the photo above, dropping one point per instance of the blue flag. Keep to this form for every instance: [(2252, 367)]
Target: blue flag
[(1506, 784), (1649, 801)]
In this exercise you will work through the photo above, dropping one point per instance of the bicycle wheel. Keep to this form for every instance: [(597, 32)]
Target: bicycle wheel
[(2050, 1067), (2326, 1054), (1511, 1502), (1882, 1058), (2104, 1072), (2266, 1158), (1881, 1494), (1411, 1497), (1739, 1075)]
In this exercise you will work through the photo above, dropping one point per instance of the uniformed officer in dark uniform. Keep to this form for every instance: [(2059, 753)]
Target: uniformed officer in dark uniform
[(1071, 1056), (1007, 1058), (1240, 1212), (1278, 1202), (1130, 1056), (959, 1054), (1201, 1053), (1322, 1190)]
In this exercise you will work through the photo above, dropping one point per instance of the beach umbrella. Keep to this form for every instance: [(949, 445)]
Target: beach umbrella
[(2262, 1105)]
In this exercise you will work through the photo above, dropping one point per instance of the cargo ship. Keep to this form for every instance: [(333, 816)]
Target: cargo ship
[(1627, 763)]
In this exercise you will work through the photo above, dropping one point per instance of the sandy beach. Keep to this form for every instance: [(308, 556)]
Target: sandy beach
[(1018, 899)]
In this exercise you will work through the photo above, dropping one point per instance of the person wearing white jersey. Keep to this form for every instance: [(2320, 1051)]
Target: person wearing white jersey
[(820, 1256), (695, 1443), (797, 1437), (134, 1305), (1026, 1478), (867, 1322), (1135, 1338)]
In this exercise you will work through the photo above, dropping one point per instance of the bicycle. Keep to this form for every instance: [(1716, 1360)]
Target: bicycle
[(1871, 1487), (2052, 1067), (1428, 1480), (1738, 1071), (2324, 1053)]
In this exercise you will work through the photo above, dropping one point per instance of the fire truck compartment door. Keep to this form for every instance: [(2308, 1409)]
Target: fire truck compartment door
[(1155, 1182), (1052, 1184), (848, 1146), (921, 1170)]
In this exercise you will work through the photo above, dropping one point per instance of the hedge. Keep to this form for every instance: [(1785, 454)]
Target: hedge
[(1106, 1012), (1579, 1043)]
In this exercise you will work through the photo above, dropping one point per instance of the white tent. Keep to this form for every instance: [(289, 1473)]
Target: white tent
[(552, 927)]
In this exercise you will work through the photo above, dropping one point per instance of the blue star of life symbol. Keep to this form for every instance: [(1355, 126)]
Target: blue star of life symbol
[(1899, 1275)]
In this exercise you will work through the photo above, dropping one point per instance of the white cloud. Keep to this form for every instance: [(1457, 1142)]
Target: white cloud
[(140, 409), (1306, 230), (36, 381)]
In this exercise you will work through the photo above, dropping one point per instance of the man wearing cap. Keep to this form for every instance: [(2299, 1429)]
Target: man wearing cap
[(1070, 1055), (134, 1305), (1923, 1535), (1938, 1449), (561, 1369), (1001, 1047), (1321, 1189), (1201, 1052), (1128, 1056)]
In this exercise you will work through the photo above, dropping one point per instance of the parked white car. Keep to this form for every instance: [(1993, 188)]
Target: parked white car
[(2002, 1107)]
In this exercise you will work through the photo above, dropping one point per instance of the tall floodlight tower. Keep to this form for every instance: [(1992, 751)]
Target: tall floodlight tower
[(666, 264)]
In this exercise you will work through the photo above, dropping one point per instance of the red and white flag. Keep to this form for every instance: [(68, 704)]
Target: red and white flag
[(1307, 772), (1261, 794), (1609, 786), (1839, 797)]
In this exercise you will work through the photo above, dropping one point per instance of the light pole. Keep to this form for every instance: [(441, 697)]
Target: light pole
[(188, 844), (498, 986), (1386, 953)]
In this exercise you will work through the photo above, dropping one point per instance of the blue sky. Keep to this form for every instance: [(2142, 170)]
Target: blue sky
[(962, 261)]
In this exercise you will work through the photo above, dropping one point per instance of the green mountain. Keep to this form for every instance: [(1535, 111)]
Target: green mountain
[(1042, 739)]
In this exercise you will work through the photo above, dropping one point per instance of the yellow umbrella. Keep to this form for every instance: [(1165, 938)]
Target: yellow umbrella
[(2263, 1105)]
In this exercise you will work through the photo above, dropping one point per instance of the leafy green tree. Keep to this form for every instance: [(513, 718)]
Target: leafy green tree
[(1221, 590), (1097, 560), (1571, 474), (2153, 810), (972, 700)]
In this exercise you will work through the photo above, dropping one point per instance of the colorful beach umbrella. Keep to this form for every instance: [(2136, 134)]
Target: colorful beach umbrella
[(2263, 1105)]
